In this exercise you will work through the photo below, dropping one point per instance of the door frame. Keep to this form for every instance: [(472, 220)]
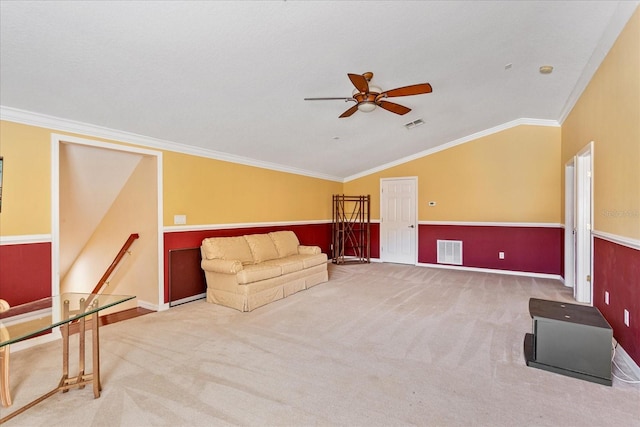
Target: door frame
[(583, 225), (56, 141), (569, 223), (415, 204)]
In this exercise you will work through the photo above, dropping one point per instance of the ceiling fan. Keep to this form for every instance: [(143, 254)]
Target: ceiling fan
[(367, 97)]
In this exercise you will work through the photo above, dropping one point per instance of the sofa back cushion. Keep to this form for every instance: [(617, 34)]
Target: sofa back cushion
[(229, 248), (262, 247), (286, 242)]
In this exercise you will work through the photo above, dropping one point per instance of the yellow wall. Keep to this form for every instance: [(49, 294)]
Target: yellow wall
[(509, 176), (608, 113), (214, 192), (207, 191), (26, 181)]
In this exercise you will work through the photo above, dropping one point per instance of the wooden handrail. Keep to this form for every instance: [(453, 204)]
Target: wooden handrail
[(115, 263)]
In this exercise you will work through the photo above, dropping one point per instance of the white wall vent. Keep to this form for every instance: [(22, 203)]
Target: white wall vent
[(450, 252)]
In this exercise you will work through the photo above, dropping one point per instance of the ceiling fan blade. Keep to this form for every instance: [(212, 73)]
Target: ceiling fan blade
[(349, 112), (330, 99), (408, 90), (359, 82), (393, 107)]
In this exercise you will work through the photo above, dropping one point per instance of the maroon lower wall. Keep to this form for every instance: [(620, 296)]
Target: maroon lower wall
[(25, 272), (527, 249), (308, 234), (616, 269)]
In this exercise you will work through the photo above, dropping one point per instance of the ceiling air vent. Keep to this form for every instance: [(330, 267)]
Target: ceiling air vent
[(414, 124)]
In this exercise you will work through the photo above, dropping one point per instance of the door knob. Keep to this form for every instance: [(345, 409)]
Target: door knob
[(412, 226)]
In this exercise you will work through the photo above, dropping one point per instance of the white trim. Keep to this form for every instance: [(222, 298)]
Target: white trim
[(583, 223), (459, 141), (493, 270), (569, 221), (59, 124), (620, 240), (621, 16), (150, 306), (188, 299), (631, 364), (26, 239), (229, 226), (495, 224)]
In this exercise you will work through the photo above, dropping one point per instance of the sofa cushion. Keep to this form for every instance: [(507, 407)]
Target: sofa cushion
[(256, 272), (230, 248), (309, 261), (288, 264), (262, 247), (286, 242)]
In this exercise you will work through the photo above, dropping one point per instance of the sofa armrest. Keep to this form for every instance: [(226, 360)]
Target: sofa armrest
[(309, 250), (224, 266)]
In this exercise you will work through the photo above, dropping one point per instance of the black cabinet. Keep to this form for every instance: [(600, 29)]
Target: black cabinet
[(569, 339)]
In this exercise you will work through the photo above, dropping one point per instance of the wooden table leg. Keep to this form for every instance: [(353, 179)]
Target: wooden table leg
[(5, 392), (64, 329), (81, 344), (97, 387)]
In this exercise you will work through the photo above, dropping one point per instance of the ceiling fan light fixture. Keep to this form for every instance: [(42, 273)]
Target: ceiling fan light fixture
[(366, 106)]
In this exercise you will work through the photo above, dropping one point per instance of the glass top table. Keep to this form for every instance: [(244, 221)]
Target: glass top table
[(27, 320), (79, 310)]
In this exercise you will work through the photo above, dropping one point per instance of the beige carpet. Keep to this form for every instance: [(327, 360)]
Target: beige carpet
[(378, 345)]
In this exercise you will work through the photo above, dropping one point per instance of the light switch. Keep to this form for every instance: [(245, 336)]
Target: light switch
[(179, 219)]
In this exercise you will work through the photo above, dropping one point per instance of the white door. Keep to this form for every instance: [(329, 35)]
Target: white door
[(582, 291), (398, 220)]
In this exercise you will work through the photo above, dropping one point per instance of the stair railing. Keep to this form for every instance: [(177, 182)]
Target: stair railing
[(123, 251)]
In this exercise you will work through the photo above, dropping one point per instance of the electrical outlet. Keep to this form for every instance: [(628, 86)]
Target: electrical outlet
[(501, 255), (626, 317), (179, 219), (606, 297)]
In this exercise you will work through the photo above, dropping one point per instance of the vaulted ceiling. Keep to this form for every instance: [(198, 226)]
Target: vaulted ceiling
[(230, 78)]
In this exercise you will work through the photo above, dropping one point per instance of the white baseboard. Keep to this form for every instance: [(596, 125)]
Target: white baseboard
[(188, 299), (495, 271), (147, 305), (628, 361)]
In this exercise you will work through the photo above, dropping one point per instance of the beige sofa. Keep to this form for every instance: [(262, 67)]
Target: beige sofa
[(247, 272)]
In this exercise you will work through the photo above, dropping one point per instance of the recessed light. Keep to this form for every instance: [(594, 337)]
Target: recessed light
[(546, 69)]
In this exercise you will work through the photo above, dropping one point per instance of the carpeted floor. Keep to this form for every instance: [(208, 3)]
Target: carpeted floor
[(378, 345)]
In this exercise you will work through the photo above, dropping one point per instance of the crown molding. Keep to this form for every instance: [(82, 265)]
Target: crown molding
[(459, 141), (64, 125)]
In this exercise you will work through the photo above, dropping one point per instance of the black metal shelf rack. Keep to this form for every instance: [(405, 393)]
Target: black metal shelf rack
[(351, 229)]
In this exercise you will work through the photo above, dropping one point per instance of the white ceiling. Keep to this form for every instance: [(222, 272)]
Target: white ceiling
[(231, 76)]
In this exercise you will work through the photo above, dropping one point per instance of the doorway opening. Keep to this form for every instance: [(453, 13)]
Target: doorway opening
[(101, 192), (578, 224)]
